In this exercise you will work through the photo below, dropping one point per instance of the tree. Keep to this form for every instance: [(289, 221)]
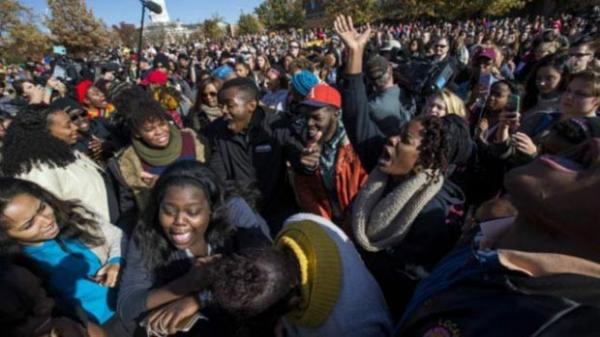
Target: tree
[(197, 34), (155, 35), (11, 13), (408, 9), (281, 14), (128, 34), (212, 27), (75, 27), (448, 9), (362, 11), (248, 24), (494, 7), (26, 40), (19, 35)]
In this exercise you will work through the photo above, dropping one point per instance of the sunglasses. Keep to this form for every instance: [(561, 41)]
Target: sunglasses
[(77, 114), (211, 94)]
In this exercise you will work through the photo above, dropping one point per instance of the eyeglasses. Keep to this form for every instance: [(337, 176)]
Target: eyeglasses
[(210, 93), (578, 94), (580, 55)]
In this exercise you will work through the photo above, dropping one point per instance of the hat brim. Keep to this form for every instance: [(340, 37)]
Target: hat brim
[(485, 56), (316, 104)]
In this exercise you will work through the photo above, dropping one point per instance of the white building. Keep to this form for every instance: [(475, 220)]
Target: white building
[(161, 18), (163, 28)]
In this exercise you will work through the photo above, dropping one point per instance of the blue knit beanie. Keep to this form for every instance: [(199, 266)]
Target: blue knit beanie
[(303, 81), (222, 72)]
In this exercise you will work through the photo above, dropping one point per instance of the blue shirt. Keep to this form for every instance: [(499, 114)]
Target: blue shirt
[(68, 267)]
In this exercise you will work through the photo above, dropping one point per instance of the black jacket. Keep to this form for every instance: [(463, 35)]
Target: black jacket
[(257, 157), (397, 269)]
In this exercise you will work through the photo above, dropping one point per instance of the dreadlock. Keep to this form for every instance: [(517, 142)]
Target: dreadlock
[(434, 146)]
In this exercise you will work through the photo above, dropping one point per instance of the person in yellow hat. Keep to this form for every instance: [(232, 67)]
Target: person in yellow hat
[(312, 283)]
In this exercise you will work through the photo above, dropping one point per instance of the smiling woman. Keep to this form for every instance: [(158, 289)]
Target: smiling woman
[(39, 144), (156, 143), (78, 258), (191, 217)]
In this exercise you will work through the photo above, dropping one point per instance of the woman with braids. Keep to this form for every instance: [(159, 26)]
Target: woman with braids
[(399, 214), (78, 257), (190, 218), (39, 144), (155, 144)]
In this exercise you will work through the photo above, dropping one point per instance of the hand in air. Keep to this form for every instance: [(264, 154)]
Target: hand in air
[(344, 27)]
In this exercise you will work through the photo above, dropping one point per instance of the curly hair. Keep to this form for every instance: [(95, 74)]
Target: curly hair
[(28, 142), (138, 107), (301, 63), (148, 234), (73, 219), (256, 287), (433, 151)]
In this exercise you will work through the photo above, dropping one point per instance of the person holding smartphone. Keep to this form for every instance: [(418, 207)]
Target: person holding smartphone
[(580, 101), (486, 123)]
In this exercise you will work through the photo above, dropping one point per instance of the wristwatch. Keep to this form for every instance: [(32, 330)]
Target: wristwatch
[(205, 298)]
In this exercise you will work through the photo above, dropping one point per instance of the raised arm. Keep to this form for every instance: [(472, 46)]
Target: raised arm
[(363, 133), (354, 41)]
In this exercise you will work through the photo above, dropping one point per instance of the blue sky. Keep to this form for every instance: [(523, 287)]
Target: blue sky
[(188, 11)]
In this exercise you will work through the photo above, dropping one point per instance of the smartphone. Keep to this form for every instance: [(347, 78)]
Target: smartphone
[(513, 104), (59, 72), (512, 111), (485, 81), (443, 77)]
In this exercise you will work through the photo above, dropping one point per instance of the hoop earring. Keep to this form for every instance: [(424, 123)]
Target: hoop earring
[(417, 169)]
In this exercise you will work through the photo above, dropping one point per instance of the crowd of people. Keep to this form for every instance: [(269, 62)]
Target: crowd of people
[(420, 179)]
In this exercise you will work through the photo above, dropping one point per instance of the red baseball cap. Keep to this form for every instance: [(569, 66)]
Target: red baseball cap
[(322, 95), (489, 53), (155, 77)]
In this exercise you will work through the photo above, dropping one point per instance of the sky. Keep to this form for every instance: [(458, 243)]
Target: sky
[(188, 11)]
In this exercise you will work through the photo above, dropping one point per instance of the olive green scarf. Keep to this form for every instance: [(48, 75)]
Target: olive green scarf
[(160, 157)]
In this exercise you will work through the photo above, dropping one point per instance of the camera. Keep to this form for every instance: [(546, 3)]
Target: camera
[(420, 76)]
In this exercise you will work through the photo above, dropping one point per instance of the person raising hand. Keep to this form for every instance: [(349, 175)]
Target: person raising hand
[(353, 40)]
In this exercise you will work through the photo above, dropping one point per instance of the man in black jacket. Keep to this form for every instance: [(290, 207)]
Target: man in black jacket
[(252, 147)]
